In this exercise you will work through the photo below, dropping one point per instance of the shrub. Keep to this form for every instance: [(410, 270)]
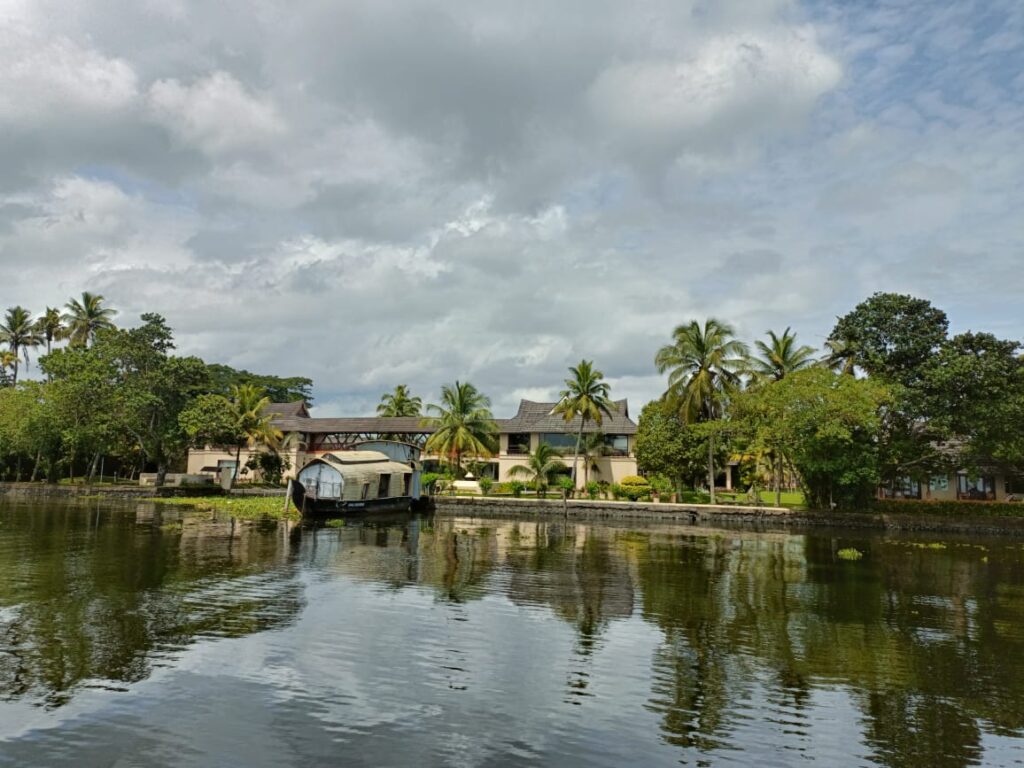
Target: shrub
[(516, 488), (566, 484), (616, 491), (634, 480), (485, 485), (593, 489), (428, 482), (662, 484), (951, 508)]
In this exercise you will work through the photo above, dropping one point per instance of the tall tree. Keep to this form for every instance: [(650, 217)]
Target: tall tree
[(666, 446), (462, 424), (541, 468), (252, 424), (279, 389), (18, 332), (891, 335), (7, 361), (586, 397), (704, 366), (780, 356), (85, 317), (399, 403), (50, 326)]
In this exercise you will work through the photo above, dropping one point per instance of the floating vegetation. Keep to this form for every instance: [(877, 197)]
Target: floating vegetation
[(849, 553), (335, 522), (242, 507)]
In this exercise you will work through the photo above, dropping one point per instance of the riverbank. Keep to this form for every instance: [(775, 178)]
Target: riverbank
[(582, 509)]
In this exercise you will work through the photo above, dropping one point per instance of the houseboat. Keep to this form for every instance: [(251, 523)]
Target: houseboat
[(355, 481)]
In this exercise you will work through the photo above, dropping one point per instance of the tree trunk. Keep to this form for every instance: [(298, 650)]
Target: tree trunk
[(238, 467), (161, 473), (92, 468), (711, 467), (778, 480), (576, 454), (17, 470), (35, 469)]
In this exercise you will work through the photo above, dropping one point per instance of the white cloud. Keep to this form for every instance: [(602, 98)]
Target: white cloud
[(215, 113)]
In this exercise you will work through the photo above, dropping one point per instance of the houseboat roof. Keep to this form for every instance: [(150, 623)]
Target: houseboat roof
[(369, 460)]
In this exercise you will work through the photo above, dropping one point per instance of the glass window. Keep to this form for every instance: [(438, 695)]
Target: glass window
[(560, 441), (902, 488), (1015, 484), (519, 443), (977, 488), (616, 445)]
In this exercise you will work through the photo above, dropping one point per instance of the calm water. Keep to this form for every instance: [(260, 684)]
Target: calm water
[(130, 637)]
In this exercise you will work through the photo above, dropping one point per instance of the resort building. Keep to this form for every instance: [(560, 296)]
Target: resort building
[(988, 485), (533, 423)]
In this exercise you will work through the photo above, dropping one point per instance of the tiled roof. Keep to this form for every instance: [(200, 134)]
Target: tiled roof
[(531, 417), (538, 417), (288, 410)]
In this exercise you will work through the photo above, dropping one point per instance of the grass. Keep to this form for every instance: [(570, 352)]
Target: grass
[(241, 507), (790, 499)]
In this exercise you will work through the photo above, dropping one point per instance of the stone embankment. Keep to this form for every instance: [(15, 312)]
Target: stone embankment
[(773, 517), (114, 492)]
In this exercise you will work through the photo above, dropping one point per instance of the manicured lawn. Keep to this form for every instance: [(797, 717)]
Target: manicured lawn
[(791, 499)]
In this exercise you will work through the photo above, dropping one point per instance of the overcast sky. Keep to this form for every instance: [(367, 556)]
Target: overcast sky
[(373, 192)]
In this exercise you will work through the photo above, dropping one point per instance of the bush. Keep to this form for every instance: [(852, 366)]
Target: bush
[(951, 508), (634, 480), (485, 485), (616, 491), (565, 483), (662, 485), (428, 482), (593, 489), (516, 488)]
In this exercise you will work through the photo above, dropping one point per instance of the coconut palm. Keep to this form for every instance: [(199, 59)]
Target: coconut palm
[(585, 397), (592, 448), (399, 403), (462, 424), (541, 468), (704, 366), (18, 332), (84, 318), (251, 421), (840, 357), (7, 360), (50, 326), (780, 356)]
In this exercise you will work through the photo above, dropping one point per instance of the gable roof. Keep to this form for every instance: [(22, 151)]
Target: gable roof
[(292, 410), (539, 417)]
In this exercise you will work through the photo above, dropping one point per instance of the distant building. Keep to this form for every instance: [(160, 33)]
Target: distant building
[(533, 424)]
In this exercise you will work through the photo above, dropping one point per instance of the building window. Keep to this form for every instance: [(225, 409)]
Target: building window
[(560, 441), (616, 445), (902, 488), (1015, 485), (366, 490), (519, 444), (406, 484), (383, 486), (975, 488)]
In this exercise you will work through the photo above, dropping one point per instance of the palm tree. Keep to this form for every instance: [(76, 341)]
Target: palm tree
[(7, 360), (251, 421), (541, 468), (704, 366), (399, 403), (462, 424), (840, 357), (84, 318), (50, 326), (585, 396), (18, 332), (592, 448), (780, 356)]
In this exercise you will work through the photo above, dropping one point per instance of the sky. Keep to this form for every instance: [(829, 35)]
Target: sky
[(372, 193)]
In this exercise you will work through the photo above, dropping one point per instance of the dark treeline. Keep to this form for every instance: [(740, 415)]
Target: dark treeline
[(118, 395)]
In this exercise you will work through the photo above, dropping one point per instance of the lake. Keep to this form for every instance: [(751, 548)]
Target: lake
[(135, 636)]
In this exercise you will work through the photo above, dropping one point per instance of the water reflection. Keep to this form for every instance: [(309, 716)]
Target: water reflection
[(704, 643)]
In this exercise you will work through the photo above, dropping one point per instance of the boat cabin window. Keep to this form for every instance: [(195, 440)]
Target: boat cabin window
[(366, 490), (406, 484), (383, 486)]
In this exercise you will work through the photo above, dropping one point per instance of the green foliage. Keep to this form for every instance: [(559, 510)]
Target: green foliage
[(586, 397), (593, 490), (661, 484), (516, 488), (849, 553), (634, 480), (428, 481), (542, 468), (19, 332), (950, 508), (616, 491), (270, 465), (891, 335), (566, 484), (486, 484), (827, 425), (223, 379), (84, 319), (463, 424), (780, 356), (666, 446), (399, 403)]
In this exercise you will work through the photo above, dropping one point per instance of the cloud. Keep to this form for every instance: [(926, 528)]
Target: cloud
[(216, 114), (376, 193)]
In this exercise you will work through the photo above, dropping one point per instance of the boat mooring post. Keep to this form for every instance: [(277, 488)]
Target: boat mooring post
[(287, 495)]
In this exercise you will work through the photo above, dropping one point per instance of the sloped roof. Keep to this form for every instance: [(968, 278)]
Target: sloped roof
[(531, 417), (539, 417)]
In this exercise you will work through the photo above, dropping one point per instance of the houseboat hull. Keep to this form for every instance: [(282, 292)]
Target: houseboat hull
[(311, 506)]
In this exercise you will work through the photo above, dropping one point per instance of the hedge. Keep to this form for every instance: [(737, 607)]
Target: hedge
[(951, 508)]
